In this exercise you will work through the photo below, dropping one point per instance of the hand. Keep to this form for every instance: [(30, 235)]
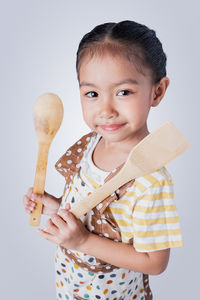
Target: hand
[(65, 230), (50, 203)]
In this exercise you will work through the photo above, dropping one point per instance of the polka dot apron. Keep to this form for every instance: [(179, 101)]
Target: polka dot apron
[(81, 276)]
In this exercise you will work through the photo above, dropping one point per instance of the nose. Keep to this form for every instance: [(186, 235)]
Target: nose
[(107, 110)]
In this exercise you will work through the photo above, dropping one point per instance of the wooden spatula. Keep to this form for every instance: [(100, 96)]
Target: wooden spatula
[(153, 152), (48, 115)]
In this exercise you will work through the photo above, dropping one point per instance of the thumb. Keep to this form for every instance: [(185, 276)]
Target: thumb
[(68, 217), (39, 197)]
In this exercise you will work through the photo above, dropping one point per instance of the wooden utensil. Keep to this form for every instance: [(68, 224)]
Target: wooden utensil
[(48, 115), (153, 152)]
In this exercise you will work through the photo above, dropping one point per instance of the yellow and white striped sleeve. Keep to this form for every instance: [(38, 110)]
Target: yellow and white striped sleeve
[(156, 224)]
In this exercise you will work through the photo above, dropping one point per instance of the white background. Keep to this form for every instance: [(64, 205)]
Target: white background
[(39, 40)]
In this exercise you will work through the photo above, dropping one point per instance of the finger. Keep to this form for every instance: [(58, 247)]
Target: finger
[(28, 195), (28, 204), (51, 227), (59, 222), (30, 191), (25, 200), (36, 197), (47, 236), (29, 210), (67, 216)]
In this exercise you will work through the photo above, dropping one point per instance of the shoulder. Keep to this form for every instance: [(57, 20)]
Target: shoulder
[(161, 178), (74, 153)]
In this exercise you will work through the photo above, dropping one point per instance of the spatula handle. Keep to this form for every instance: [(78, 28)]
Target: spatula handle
[(79, 209), (39, 183)]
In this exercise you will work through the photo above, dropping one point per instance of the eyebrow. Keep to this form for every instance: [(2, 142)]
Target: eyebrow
[(128, 80)]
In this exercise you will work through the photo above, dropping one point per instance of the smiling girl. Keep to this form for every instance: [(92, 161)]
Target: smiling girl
[(112, 250)]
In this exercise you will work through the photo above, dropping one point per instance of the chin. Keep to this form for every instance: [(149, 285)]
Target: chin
[(113, 136)]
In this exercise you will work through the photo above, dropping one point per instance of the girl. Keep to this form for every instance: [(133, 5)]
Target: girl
[(109, 253)]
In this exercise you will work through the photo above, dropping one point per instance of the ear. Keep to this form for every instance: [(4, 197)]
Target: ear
[(159, 90)]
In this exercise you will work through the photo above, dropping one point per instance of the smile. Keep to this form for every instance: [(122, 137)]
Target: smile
[(111, 127)]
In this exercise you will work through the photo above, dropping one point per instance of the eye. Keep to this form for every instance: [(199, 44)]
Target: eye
[(91, 94), (125, 92)]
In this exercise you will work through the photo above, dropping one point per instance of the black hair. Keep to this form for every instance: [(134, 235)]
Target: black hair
[(138, 43)]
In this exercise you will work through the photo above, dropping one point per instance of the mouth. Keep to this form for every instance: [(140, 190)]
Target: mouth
[(111, 127)]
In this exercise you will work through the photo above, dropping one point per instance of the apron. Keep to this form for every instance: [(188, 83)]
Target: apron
[(69, 165)]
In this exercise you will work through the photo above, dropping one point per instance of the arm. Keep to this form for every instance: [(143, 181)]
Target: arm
[(67, 231), (125, 255)]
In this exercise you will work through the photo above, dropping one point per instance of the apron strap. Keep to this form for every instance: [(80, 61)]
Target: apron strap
[(69, 164)]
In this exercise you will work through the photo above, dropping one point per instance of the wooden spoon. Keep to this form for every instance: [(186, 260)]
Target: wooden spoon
[(48, 115), (153, 152)]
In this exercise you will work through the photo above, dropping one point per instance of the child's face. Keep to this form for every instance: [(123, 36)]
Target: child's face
[(116, 110)]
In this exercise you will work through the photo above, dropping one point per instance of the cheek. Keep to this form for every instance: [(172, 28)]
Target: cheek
[(87, 113), (137, 110)]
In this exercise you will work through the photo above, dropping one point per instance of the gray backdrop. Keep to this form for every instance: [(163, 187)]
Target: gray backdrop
[(39, 40)]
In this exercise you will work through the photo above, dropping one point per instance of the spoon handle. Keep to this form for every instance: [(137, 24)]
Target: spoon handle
[(39, 183)]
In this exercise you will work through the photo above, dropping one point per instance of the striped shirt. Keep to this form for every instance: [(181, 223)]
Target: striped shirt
[(146, 214)]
